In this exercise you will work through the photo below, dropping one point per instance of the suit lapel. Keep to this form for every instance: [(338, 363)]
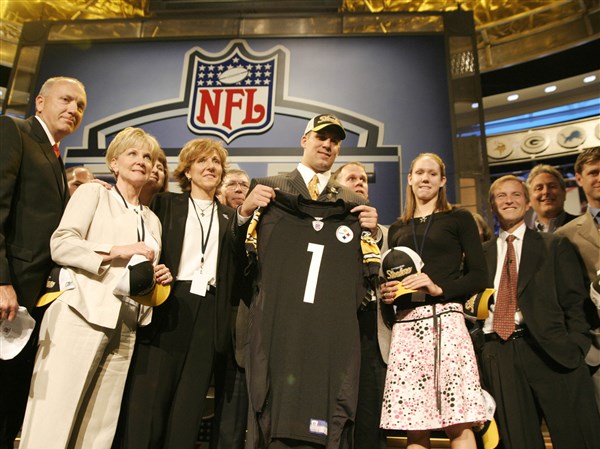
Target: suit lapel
[(490, 250), (531, 252), (223, 221), (179, 214), (295, 179), (145, 212), (331, 191), (56, 163), (587, 230)]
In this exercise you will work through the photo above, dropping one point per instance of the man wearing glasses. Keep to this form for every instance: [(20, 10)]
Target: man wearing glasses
[(231, 398), (234, 188)]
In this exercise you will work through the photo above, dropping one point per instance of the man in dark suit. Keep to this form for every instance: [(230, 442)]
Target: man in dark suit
[(548, 192), (536, 336), (231, 393), (311, 179), (375, 338), (33, 195)]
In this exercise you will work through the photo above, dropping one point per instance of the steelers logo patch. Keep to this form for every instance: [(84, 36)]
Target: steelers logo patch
[(344, 234)]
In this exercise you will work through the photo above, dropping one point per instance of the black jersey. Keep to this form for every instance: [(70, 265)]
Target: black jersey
[(304, 344)]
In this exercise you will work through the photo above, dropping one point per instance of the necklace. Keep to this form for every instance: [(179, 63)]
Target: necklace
[(204, 243), (206, 208), (424, 218)]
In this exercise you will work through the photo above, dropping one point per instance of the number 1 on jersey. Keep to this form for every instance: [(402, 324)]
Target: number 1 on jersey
[(313, 271)]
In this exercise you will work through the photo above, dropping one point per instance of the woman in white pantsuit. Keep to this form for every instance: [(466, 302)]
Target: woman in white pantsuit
[(88, 333)]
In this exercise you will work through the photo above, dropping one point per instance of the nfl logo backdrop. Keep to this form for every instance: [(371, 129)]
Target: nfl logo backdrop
[(232, 92)]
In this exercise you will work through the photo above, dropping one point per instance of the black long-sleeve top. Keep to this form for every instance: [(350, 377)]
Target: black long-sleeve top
[(451, 251)]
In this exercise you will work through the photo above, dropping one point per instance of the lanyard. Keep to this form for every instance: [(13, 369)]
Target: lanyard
[(419, 248), (141, 237), (204, 243), (436, 324)]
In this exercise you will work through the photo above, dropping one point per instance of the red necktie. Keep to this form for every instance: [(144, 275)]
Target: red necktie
[(506, 304), (56, 150)]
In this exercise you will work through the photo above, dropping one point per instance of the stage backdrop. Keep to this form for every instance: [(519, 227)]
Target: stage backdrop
[(257, 95)]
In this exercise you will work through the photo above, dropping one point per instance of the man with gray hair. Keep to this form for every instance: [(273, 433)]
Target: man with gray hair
[(33, 196), (548, 192)]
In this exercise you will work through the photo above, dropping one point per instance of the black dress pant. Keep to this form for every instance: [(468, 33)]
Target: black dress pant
[(231, 408), (367, 434), (170, 374), (15, 378), (527, 384)]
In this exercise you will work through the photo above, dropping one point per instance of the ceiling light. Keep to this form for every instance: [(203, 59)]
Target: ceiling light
[(512, 97), (549, 89), (589, 79), (474, 105)]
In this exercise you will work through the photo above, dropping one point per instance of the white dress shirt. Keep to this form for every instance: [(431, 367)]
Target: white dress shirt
[(308, 173), (501, 246)]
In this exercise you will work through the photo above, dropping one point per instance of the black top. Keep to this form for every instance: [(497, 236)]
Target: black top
[(448, 236)]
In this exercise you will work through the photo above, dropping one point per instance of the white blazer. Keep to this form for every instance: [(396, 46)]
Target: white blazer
[(93, 222)]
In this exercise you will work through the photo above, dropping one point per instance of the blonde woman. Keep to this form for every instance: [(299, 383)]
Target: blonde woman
[(173, 362), (87, 334)]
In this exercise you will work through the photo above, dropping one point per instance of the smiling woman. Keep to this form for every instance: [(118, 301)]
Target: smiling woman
[(181, 341), (100, 232), (159, 180)]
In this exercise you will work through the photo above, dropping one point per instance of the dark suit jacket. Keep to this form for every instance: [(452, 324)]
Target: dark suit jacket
[(550, 294), (172, 210), (293, 183), (563, 218), (33, 196)]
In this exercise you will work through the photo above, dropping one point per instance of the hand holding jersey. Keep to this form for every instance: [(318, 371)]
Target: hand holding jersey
[(260, 196)]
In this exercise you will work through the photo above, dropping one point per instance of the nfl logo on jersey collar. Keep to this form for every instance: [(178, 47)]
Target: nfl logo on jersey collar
[(317, 224)]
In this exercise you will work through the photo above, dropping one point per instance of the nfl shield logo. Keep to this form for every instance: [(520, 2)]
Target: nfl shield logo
[(232, 92)]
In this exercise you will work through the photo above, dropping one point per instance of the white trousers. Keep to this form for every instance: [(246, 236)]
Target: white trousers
[(78, 380)]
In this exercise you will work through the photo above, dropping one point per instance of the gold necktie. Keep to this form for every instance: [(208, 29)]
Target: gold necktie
[(313, 187)]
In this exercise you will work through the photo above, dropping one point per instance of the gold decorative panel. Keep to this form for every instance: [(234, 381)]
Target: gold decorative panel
[(508, 31)]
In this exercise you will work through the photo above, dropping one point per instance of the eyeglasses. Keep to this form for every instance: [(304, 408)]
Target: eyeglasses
[(233, 184)]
